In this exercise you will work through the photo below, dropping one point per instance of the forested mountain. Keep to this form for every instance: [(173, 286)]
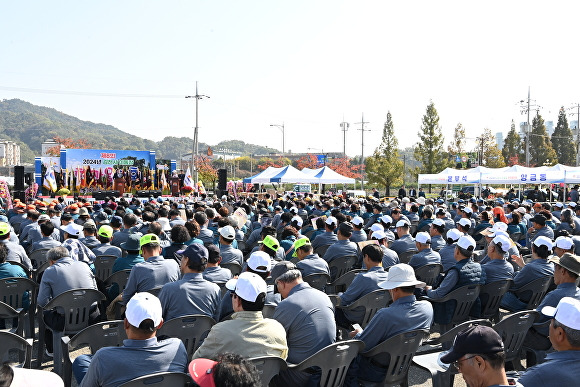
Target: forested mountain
[(30, 125)]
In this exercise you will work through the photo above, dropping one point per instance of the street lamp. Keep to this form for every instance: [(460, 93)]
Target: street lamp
[(281, 127), (195, 150)]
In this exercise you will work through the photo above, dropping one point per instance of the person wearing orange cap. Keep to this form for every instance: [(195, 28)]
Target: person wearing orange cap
[(20, 216), (227, 369)]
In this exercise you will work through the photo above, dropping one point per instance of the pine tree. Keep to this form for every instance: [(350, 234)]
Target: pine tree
[(513, 151), (541, 151), (562, 140), (429, 150), (384, 167)]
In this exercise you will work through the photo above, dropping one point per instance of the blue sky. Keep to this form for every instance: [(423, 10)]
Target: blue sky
[(305, 63)]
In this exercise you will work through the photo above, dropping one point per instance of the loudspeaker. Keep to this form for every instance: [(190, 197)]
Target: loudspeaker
[(19, 178), (222, 179), (101, 195), (147, 193), (19, 194)]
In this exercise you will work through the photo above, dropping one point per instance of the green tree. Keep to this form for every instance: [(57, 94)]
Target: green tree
[(429, 150), (541, 151), (562, 140), (384, 167), (513, 151), (490, 154), (457, 146)]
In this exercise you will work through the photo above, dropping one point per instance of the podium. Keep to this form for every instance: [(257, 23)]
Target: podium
[(119, 185), (174, 183)]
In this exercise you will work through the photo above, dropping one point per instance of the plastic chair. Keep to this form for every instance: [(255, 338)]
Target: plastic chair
[(120, 278), (428, 360), (234, 267), (160, 379), (537, 288), (317, 280), (343, 282), (104, 334), (11, 291), (8, 312), (38, 257), (406, 256), (37, 274), (321, 250), (75, 305), (340, 265), (464, 298), (268, 367), (516, 236), (512, 329), (429, 273), (154, 291), (490, 296), (371, 303), (104, 266), (191, 329), (309, 234), (333, 362), (268, 311), (395, 355), (10, 342), (242, 246)]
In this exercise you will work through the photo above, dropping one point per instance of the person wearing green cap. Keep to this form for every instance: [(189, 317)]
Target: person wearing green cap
[(155, 272), (309, 262), (105, 235), (16, 252)]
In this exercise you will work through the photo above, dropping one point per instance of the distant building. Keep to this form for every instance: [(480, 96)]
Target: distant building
[(549, 127), (499, 139), (9, 153)]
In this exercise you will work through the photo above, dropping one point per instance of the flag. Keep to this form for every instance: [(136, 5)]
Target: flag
[(163, 180), (49, 179), (187, 180), (78, 177), (200, 187)]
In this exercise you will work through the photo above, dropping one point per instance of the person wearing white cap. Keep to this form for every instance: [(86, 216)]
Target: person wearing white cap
[(406, 242), (425, 255), (557, 210), (328, 237), (248, 333), (404, 314), (566, 272), (358, 235), (497, 267), (561, 368), (447, 253), (436, 231), (465, 272), (440, 213), (192, 294), (78, 251), (362, 284), (467, 213), (227, 235), (491, 233), (141, 353), (563, 245), (390, 258), (464, 225), (539, 267)]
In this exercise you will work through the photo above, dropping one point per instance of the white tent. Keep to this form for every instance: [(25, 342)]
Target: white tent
[(263, 177), (518, 174), (451, 176), (289, 174), (325, 175)]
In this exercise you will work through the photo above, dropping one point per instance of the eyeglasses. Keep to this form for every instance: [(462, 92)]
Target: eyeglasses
[(457, 364)]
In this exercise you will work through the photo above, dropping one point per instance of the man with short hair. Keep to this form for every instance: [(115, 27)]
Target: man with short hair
[(308, 261), (248, 333), (89, 231), (46, 242), (213, 272), (404, 314), (478, 354), (129, 221), (228, 252), (425, 254), (538, 229), (307, 315), (561, 367), (192, 294), (141, 354), (362, 284), (155, 272), (343, 246), (104, 236), (175, 217)]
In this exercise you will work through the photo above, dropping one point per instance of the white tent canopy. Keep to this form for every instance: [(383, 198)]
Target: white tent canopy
[(451, 176), (289, 174), (264, 176), (325, 175)]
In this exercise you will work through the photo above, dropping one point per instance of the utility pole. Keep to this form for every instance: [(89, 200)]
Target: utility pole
[(195, 149), (525, 108), (344, 126), (404, 167), (281, 127), (577, 106), (362, 144)]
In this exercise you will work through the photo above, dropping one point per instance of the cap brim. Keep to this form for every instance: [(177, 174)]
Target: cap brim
[(450, 357), (231, 284), (389, 285), (549, 311)]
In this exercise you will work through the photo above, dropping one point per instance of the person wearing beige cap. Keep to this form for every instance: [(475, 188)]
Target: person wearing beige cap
[(404, 314), (566, 272), (248, 333), (141, 354), (465, 272), (561, 368)]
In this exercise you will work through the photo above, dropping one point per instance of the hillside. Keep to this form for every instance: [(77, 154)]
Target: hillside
[(30, 125)]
